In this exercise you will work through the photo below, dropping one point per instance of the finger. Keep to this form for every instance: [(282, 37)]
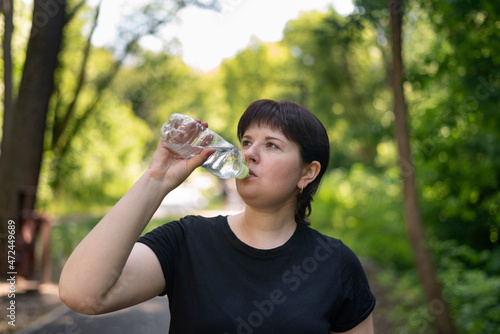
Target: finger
[(192, 129), (199, 159), (204, 124), (206, 140)]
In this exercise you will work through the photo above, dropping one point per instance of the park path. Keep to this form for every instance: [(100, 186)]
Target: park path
[(151, 317)]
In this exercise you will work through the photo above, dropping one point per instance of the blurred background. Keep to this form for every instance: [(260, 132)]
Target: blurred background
[(87, 85)]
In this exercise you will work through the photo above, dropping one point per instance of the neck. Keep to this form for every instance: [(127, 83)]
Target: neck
[(263, 229)]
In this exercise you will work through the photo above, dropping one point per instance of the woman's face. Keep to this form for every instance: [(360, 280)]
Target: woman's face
[(276, 167)]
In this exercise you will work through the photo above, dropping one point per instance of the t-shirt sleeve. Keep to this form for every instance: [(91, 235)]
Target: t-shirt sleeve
[(358, 301), (166, 241)]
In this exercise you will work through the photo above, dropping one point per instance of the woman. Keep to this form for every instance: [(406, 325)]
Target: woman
[(260, 271)]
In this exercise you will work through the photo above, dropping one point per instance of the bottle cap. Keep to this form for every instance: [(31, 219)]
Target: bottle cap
[(244, 172)]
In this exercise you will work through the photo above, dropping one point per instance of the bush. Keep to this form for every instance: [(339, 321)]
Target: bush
[(470, 289), (363, 208), (471, 284)]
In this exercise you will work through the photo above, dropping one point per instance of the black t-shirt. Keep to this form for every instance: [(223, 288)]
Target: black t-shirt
[(218, 284)]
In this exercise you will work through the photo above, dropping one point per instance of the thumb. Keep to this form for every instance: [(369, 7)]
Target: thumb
[(199, 159)]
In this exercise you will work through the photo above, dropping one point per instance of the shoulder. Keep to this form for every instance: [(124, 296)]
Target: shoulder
[(328, 243), (333, 246), (179, 230), (193, 222), (200, 223)]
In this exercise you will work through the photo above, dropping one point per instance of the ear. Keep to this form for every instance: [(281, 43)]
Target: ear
[(309, 173)]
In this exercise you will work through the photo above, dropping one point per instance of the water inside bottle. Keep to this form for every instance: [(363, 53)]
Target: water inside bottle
[(224, 162), (185, 139)]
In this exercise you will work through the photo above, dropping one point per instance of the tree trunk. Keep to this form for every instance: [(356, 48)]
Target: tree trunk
[(7, 9), (22, 146), (422, 256)]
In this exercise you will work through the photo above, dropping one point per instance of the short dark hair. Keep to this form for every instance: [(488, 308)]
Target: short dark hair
[(300, 126)]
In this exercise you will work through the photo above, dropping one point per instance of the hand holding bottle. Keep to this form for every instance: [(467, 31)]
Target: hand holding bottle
[(178, 132), (170, 168), (188, 138)]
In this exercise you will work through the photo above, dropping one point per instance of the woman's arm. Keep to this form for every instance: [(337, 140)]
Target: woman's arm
[(366, 327), (108, 270)]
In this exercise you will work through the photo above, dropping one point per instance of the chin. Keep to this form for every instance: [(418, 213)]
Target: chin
[(250, 198)]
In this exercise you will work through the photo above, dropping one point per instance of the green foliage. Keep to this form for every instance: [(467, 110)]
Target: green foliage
[(471, 288), (249, 75), (363, 208), (254, 73), (460, 161), (105, 160), (335, 70), (156, 86), (471, 281), (477, 294), (452, 88)]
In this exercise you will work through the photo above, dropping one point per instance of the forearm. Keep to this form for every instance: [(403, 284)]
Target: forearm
[(98, 261)]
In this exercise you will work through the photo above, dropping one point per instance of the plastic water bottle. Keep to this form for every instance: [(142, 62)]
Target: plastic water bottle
[(188, 138)]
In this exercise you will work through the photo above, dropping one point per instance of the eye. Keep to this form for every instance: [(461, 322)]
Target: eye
[(245, 143), (271, 145)]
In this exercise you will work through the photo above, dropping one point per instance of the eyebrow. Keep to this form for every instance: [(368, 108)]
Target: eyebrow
[(266, 138), (274, 138)]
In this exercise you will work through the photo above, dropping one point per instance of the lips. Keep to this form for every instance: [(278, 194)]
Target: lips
[(251, 173)]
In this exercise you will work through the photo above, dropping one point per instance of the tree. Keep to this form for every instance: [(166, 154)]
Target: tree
[(460, 165), (23, 140), (416, 234), (71, 110), (22, 144), (7, 10)]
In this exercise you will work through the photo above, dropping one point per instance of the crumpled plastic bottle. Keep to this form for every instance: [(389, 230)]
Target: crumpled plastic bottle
[(188, 138)]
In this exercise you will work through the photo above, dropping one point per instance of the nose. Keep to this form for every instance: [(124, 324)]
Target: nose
[(251, 154)]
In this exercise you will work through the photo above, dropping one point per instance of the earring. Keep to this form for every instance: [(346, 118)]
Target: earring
[(301, 190)]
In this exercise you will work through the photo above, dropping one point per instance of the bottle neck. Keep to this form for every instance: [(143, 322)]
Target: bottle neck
[(243, 172)]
